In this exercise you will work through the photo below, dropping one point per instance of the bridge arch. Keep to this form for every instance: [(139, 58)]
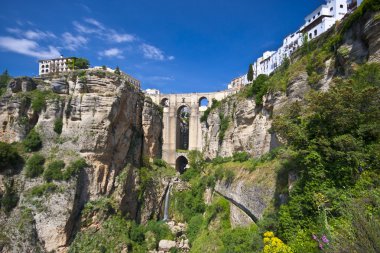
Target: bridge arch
[(165, 102), (203, 101), (181, 164)]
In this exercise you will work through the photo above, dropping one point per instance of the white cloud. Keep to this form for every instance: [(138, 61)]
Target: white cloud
[(161, 78), (85, 29), (95, 23), (152, 52), (112, 52), (27, 47), (121, 37), (72, 42), (31, 34), (93, 26)]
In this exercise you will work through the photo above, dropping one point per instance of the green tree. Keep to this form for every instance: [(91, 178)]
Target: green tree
[(117, 70), (4, 79), (8, 156), (35, 166), (10, 198), (54, 171), (32, 141), (79, 63), (250, 73)]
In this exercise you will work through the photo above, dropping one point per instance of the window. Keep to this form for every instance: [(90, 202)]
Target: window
[(332, 8), (313, 17), (341, 6), (310, 36), (319, 13), (309, 20), (315, 32)]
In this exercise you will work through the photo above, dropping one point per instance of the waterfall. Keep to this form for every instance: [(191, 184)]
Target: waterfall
[(166, 208)]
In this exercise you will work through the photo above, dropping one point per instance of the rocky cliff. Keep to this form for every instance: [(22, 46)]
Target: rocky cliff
[(249, 124), (103, 119)]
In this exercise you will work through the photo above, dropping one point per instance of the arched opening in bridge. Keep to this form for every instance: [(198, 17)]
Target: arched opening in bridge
[(165, 102), (180, 164), (203, 101), (183, 118)]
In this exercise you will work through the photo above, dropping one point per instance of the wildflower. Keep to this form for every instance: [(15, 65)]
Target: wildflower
[(324, 239), (320, 246), (315, 238)]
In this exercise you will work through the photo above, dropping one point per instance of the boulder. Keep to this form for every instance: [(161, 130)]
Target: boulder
[(166, 245), (60, 86)]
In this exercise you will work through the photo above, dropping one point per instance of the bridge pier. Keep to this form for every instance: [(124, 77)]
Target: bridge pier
[(171, 104)]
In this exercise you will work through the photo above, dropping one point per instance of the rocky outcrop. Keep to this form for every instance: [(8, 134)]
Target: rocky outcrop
[(250, 193), (248, 123), (105, 120)]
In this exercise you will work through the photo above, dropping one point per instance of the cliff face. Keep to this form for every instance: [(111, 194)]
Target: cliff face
[(105, 120), (249, 124)]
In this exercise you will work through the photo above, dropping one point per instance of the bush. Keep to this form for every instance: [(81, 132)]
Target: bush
[(38, 100), (160, 163), (194, 227), (230, 176), (32, 141), (44, 189), (54, 171), (74, 168), (10, 198), (58, 124), (240, 156), (9, 156), (224, 124), (35, 166)]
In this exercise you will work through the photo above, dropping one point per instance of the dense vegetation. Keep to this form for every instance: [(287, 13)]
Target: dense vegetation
[(4, 79), (336, 151)]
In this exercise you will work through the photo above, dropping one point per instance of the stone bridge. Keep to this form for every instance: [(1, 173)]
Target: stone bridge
[(181, 123)]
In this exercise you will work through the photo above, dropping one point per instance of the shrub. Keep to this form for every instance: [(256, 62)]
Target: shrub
[(74, 168), (32, 141), (194, 227), (38, 100), (10, 198), (274, 244), (160, 163), (224, 124), (230, 176), (41, 190), (58, 124), (240, 156), (35, 166), (54, 171), (9, 156)]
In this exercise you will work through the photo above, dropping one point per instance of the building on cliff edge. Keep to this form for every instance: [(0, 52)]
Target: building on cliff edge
[(316, 23)]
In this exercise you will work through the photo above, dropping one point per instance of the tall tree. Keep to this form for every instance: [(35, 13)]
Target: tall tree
[(79, 63), (4, 78), (250, 73), (117, 70)]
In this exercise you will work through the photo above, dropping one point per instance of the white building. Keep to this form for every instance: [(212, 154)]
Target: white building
[(57, 65), (152, 92), (316, 23), (238, 83), (324, 17)]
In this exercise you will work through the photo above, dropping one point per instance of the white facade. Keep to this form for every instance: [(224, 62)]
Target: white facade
[(152, 92), (316, 23), (238, 83), (57, 65)]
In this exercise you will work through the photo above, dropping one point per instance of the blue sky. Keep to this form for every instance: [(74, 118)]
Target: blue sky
[(171, 45)]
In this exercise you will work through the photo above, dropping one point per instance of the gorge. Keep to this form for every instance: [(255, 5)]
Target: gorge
[(89, 163)]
